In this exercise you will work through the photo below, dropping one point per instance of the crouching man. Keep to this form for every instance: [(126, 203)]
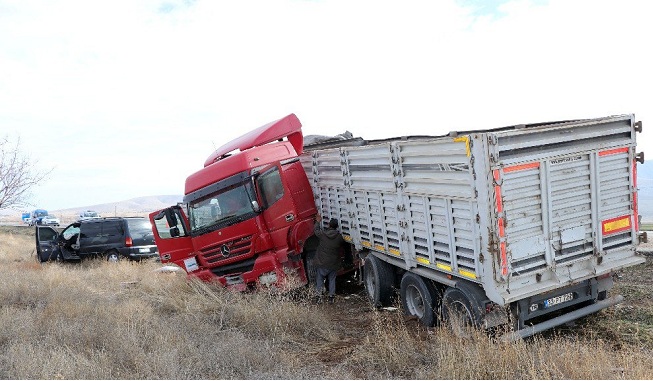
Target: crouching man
[(327, 257)]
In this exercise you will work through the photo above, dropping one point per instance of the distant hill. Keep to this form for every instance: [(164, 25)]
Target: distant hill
[(135, 206), (139, 206)]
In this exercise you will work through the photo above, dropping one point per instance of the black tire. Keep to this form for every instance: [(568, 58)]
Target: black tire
[(419, 298), (461, 310), (379, 278), (309, 268), (112, 256)]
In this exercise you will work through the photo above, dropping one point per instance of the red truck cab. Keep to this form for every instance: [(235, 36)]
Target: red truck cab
[(246, 215)]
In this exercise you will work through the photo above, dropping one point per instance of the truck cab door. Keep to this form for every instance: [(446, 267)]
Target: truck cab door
[(170, 227), (278, 207), (46, 243)]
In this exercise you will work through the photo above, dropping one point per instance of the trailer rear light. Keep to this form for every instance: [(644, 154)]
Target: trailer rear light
[(129, 242), (268, 278)]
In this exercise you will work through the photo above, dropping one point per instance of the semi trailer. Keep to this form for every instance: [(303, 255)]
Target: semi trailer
[(521, 226)]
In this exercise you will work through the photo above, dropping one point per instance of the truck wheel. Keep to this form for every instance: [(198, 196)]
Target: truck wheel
[(459, 312), (378, 281), (309, 268), (112, 256), (418, 298)]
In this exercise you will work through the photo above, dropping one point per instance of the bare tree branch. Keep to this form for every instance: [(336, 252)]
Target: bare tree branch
[(18, 174)]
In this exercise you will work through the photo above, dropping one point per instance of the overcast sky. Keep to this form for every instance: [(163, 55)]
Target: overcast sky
[(127, 98)]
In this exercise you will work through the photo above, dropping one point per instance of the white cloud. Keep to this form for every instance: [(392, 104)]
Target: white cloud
[(130, 87)]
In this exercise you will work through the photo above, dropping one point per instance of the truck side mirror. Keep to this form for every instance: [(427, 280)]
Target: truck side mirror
[(170, 216), (174, 231)]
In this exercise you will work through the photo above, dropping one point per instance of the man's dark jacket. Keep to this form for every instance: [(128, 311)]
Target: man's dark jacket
[(328, 251)]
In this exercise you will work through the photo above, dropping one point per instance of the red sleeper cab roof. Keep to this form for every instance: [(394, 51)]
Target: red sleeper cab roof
[(288, 126)]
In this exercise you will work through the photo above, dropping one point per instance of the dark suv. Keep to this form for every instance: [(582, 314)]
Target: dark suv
[(112, 238)]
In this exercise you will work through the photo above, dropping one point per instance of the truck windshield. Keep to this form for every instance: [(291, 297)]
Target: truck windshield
[(222, 208)]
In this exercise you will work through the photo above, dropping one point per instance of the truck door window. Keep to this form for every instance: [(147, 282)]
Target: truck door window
[(163, 228), (270, 186)]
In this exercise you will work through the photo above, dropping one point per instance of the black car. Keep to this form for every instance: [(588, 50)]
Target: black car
[(112, 238)]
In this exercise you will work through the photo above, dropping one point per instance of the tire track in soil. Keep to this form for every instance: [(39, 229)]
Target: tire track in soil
[(351, 314)]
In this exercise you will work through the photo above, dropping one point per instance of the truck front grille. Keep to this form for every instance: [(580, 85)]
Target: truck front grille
[(227, 251)]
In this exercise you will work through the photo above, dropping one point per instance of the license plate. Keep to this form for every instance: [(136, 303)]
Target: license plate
[(144, 250), (558, 299)]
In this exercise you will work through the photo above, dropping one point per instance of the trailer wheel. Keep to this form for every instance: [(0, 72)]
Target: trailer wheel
[(460, 311), (378, 281), (419, 298)]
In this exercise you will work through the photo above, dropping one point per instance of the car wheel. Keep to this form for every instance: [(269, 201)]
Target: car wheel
[(113, 256)]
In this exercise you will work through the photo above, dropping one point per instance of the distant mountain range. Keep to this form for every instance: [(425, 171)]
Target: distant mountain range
[(135, 206)]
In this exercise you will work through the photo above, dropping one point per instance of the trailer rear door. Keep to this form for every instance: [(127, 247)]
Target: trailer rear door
[(565, 194)]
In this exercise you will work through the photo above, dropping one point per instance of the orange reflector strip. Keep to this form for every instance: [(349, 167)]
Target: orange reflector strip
[(468, 274), (443, 267), (613, 151), (502, 229), (497, 192), (521, 167), (616, 225), (423, 260), (636, 213)]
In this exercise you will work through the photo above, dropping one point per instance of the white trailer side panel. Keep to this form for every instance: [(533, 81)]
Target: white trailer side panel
[(522, 211)]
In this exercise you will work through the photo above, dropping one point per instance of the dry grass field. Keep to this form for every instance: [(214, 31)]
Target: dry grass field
[(98, 320)]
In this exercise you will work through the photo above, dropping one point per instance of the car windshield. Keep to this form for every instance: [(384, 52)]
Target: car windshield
[(223, 208)]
